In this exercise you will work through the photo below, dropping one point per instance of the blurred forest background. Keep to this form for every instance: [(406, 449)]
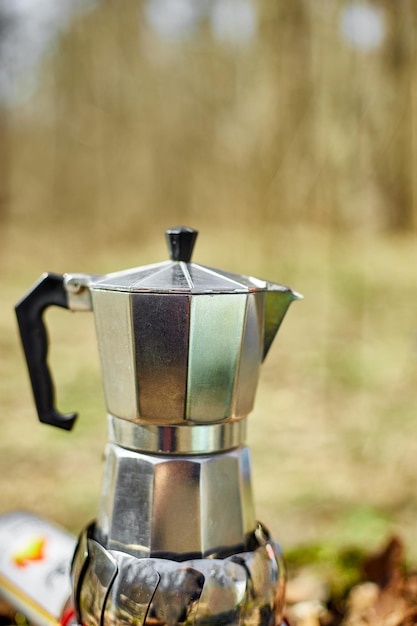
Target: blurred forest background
[(286, 132)]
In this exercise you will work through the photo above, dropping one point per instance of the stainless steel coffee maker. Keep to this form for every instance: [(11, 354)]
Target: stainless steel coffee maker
[(176, 540)]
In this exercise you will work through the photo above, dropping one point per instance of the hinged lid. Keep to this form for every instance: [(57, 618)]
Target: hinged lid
[(179, 274)]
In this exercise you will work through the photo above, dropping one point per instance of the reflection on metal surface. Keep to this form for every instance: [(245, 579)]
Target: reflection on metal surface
[(153, 505), (78, 292), (244, 588), (79, 565), (98, 578), (161, 355), (116, 348), (250, 355), (132, 591), (182, 439), (215, 340), (178, 593), (277, 301)]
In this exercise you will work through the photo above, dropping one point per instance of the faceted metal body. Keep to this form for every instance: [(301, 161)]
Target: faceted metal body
[(183, 358), (155, 505), (179, 342)]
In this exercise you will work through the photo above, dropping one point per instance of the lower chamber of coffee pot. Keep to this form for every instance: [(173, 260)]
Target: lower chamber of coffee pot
[(176, 506)]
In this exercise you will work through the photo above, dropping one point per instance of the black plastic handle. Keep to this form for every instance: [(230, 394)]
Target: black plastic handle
[(49, 291)]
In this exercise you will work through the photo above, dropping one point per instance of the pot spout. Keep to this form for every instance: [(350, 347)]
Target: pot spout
[(277, 300)]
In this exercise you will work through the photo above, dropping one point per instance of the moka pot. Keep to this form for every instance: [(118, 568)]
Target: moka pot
[(180, 346)]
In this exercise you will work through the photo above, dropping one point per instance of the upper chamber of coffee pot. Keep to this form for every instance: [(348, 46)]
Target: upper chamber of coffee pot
[(179, 343)]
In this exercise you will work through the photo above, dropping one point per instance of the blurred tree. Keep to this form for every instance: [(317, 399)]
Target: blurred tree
[(4, 167), (296, 117), (399, 161), (5, 144)]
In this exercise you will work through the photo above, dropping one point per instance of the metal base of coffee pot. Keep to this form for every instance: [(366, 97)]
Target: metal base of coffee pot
[(112, 588), (175, 506)]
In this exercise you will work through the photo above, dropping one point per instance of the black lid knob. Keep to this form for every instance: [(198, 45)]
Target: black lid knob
[(181, 242)]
